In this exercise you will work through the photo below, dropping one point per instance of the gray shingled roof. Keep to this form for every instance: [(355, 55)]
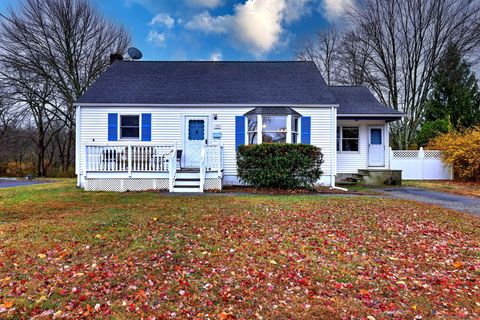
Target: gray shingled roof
[(359, 100), (144, 82)]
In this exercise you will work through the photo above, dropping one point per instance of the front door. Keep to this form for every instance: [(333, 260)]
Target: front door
[(376, 147), (196, 134)]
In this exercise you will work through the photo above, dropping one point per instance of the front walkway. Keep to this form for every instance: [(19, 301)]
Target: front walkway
[(446, 200)]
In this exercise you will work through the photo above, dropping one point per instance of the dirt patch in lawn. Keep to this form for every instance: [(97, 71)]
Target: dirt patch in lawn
[(74, 254)]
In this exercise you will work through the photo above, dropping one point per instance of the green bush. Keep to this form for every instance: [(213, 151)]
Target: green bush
[(285, 166)]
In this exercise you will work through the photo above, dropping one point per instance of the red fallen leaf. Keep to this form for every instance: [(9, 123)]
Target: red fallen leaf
[(63, 292), (131, 307), (82, 298)]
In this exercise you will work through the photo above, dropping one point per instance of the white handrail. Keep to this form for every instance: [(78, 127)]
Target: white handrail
[(172, 168), (202, 168), (128, 158)]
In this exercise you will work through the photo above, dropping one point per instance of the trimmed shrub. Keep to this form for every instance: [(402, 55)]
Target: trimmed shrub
[(462, 151), (286, 166)]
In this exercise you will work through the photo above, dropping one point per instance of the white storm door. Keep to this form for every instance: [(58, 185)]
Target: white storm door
[(196, 135), (376, 147)]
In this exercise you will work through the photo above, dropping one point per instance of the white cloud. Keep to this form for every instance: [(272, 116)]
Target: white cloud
[(216, 56), (335, 9), (256, 24), (163, 19), (209, 24), (156, 38), (204, 3)]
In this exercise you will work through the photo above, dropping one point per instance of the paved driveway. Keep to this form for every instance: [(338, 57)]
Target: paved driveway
[(446, 200), (7, 183)]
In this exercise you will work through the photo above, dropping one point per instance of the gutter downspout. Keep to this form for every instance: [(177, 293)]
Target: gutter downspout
[(333, 158), (333, 131)]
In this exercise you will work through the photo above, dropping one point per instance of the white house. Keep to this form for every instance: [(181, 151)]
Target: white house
[(177, 125)]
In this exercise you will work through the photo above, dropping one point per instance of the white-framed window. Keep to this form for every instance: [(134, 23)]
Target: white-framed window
[(129, 126), (273, 129), (252, 129), (295, 129), (348, 139)]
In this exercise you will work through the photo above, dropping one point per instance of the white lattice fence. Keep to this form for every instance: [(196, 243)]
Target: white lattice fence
[(420, 164)]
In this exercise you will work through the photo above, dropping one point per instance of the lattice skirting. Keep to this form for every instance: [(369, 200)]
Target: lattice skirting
[(132, 184), (213, 184), (123, 185)]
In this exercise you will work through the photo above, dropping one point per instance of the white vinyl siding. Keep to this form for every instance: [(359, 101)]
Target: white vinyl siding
[(168, 122), (350, 162)]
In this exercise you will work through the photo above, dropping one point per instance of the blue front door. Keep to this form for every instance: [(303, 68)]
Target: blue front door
[(196, 133)]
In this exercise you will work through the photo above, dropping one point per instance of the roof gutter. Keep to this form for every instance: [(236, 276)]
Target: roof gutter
[(205, 105)]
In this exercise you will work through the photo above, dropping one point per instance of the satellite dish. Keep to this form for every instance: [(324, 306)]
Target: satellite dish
[(134, 53)]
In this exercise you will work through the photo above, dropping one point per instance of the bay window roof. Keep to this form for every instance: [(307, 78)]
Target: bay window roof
[(273, 111)]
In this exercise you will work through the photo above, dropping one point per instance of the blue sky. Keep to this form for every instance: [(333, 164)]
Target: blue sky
[(218, 29)]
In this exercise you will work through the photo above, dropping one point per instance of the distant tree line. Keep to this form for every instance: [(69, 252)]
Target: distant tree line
[(51, 51), (404, 51)]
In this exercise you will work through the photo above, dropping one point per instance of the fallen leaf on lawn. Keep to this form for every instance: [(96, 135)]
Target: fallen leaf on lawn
[(155, 219), (98, 236), (273, 262), (226, 316), (363, 291), (457, 264), (42, 298), (42, 256), (8, 304), (371, 318)]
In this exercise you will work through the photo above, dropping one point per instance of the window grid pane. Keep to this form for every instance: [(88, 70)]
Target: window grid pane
[(349, 138), (130, 126), (274, 123)]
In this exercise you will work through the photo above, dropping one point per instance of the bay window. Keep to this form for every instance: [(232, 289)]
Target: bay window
[(273, 125), (274, 129)]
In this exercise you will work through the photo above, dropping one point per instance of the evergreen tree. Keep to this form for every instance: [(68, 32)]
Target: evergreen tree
[(455, 96)]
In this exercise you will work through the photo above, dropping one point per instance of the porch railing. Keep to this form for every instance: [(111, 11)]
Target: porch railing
[(128, 158), (214, 158), (145, 158)]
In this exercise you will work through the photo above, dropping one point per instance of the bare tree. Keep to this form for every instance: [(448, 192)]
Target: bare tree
[(68, 43), (324, 52), (404, 40), (393, 47)]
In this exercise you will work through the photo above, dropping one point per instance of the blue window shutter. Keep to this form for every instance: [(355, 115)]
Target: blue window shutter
[(112, 126), (146, 127), (239, 131), (305, 130)]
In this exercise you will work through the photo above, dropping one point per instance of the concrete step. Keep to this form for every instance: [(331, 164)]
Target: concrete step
[(345, 183)]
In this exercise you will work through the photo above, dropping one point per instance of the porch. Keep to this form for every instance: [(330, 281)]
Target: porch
[(146, 166)]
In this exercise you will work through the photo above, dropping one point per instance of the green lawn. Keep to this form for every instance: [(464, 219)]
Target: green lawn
[(66, 252)]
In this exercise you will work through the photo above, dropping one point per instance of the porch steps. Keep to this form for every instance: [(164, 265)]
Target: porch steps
[(352, 179), (187, 180)]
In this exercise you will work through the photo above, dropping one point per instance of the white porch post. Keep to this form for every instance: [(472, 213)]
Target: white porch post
[(129, 159)]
